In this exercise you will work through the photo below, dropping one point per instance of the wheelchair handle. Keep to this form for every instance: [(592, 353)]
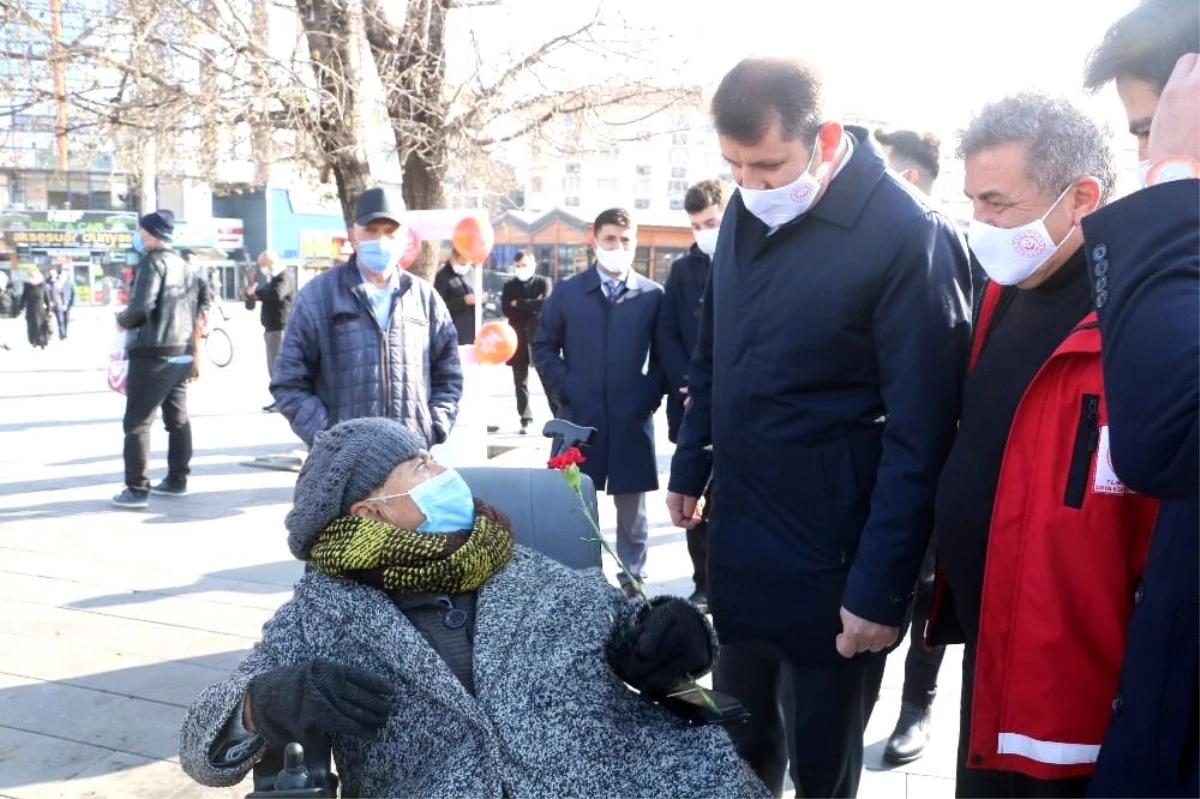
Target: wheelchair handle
[(564, 435)]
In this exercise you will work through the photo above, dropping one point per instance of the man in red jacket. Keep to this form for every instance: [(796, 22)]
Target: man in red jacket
[(1039, 544)]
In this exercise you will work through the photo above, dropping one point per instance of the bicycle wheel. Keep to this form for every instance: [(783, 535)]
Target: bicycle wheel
[(218, 346)]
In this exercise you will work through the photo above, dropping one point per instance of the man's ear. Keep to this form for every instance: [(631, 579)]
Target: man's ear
[(1087, 194), (829, 138), (365, 510)]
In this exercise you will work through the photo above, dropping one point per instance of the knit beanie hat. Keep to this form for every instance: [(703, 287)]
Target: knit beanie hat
[(347, 463), (160, 224)]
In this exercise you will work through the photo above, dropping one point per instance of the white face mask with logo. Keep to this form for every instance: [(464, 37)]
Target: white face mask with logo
[(706, 240), (615, 262), (779, 206), (1011, 255)]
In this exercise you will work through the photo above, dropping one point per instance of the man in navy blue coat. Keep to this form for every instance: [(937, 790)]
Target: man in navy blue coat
[(1144, 262), (595, 347), (832, 345), (678, 324)]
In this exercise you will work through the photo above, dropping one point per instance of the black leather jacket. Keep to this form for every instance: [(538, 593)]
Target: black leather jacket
[(167, 299)]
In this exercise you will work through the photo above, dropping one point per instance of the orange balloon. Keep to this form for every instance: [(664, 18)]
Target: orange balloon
[(495, 342), (473, 239)]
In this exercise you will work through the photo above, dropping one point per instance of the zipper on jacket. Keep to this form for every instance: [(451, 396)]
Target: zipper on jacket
[(1087, 439)]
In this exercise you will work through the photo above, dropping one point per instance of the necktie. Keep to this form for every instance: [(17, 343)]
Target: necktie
[(614, 290)]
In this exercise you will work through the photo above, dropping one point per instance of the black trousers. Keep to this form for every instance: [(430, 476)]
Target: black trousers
[(989, 784), (921, 667), (154, 382), (521, 383), (813, 717)]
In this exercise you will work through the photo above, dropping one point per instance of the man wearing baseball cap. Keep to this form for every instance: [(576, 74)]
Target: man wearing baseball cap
[(367, 338)]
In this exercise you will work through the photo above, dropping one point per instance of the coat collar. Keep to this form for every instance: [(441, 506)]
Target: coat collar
[(634, 283), (338, 613), (352, 279), (849, 192)]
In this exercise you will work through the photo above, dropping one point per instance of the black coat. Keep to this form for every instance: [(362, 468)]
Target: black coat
[(454, 289), (521, 301), (1144, 262), (827, 377), (601, 361), (35, 302), (678, 325), (276, 296)]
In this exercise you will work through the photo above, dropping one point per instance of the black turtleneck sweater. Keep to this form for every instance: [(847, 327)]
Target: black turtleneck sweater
[(1026, 328)]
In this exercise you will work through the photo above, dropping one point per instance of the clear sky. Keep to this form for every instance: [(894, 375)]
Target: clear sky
[(918, 63)]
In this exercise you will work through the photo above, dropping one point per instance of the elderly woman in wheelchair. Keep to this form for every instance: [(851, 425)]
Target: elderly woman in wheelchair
[(438, 658)]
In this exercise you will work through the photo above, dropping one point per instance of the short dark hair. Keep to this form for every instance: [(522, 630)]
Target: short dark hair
[(760, 90), (520, 256), (1145, 44), (704, 194), (613, 216), (919, 149)]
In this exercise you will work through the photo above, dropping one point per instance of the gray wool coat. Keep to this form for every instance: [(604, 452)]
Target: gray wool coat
[(549, 718)]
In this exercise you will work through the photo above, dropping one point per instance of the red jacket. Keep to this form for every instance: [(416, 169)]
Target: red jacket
[(1065, 553)]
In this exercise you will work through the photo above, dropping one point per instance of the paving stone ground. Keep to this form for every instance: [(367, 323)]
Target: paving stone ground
[(111, 622)]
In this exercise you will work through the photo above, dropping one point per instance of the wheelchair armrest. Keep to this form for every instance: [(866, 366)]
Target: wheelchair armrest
[(298, 771)]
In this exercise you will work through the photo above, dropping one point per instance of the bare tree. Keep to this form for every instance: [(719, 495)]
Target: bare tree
[(201, 84)]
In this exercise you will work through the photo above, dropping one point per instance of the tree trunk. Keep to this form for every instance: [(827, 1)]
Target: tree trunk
[(424, 189)]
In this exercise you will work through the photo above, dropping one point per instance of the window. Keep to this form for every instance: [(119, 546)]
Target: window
[(677, 204), (641, 205), (573, 202), (679, 137), (573, 168), (677, 186), (643, 170), (679, 156), (642, 188), (538, 185), (571, 185), (679, 171), (607, 185)]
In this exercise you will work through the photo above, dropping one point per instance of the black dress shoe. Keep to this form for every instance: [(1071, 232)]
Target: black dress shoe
[(911, 735), (491, 428)]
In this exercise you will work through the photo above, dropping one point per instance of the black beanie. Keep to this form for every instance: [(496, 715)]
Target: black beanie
[(160, 224)]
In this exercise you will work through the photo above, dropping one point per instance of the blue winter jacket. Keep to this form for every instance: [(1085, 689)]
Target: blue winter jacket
[(337, 364)]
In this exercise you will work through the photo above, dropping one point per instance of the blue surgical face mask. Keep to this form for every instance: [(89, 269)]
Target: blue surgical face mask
[(380, 255), (138, 244), (445, 499)]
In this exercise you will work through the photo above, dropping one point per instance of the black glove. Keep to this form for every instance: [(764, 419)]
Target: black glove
[(318, 699), (669, 642)]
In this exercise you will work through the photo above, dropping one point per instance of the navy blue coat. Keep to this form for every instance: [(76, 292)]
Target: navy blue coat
[(678, 325), (1144, 261), (601, 360), (827, 377)]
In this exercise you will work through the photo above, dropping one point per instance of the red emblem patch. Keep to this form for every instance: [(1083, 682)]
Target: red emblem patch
[(1029, 243)]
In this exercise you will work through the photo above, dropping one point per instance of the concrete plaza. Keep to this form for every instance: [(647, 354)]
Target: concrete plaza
[(111, 622)]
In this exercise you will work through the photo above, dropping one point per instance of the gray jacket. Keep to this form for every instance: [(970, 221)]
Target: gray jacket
[(337, 364), (548, 718), (166, 301)]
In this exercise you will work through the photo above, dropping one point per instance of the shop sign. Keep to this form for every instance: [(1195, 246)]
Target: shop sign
[(89, 240)]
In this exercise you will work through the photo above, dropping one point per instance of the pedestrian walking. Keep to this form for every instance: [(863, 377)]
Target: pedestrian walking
[(35, 304), (595, 346), (1143, 256), (521, 300), (367, 338), (826, 378), (62, 299), (168, 302), (275, 290)]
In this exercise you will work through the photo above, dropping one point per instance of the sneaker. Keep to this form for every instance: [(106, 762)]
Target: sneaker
[(131, 500), (165, 489), (491, 428), (525, 426), (699, 600)]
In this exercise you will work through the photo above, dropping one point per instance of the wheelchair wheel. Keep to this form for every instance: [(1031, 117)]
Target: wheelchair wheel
[(218, 346)]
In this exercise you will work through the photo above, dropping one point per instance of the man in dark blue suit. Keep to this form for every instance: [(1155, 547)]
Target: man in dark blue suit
[(595, 349), (678, 324), (1144, 262), (826, 376)]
